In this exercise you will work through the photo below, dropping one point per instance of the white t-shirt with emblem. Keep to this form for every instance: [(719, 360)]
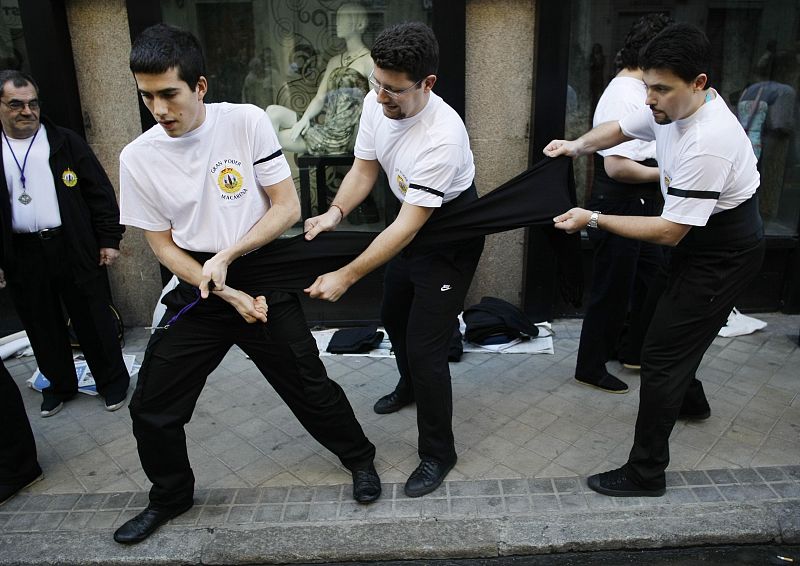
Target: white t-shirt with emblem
[(426, 157), (706, 160), (622, 96), (206, 184)]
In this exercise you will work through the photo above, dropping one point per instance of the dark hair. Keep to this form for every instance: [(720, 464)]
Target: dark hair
[(161, 47), (409, 47), (18, 79), (681, 48), (642, 31)]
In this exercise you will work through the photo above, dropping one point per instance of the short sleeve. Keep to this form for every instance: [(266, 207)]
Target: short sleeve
[(137, 207), (694, 191), (636, 150), (365, 139), (639, 124), (433, 175), (269, 163)]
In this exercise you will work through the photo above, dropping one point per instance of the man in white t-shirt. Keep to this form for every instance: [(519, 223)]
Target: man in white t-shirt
[(626, 184), (709, 181), (208, 185), (422, 145)]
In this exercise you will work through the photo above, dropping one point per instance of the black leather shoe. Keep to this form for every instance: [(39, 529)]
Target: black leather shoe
[(391, 403), (607, 383), (9, 490), (428, 476), (146, 522), (616, 483), (366, 485), (697, 411)]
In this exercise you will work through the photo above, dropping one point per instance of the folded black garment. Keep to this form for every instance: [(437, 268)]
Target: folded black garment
[(492, 318), (355, 340), (532, 198)]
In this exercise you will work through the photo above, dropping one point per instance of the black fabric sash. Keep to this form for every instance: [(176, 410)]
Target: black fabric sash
[(532, 198)]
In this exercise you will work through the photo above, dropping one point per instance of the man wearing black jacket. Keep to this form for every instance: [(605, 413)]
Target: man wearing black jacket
[(59, 229)]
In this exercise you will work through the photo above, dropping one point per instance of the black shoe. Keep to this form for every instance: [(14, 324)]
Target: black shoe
[(9, 490), (146, 522), (391, 403), (428, 476), (700, 415), (616, 483), (607, 383), (116, 401), (366, 485)]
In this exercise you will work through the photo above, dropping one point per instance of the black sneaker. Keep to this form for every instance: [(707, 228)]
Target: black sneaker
[(116, 401), (391, 403), (428, 476), (616, 483), (50, 406), (366, 485), (607, 383)]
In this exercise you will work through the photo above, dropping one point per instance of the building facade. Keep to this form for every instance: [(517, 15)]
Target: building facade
[(520, 72)]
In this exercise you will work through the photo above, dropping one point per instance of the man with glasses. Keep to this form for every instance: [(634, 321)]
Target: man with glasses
[(422, 145), (59, 229)]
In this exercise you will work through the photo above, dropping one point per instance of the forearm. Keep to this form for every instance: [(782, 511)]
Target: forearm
[(355, 187), (278, 219), (603, 136), (627, 170), (314, 107), (653, 229)]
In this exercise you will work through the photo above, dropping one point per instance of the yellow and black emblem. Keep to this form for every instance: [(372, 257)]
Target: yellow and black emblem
[(667, 180), (229, 180), (69, 177), (402, 183)]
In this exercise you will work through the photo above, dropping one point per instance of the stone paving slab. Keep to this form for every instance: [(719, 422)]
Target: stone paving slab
[(526, 433)]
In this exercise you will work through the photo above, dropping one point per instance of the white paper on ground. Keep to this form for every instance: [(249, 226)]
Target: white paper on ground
[(85, 380), (740, 324), (16, 347)]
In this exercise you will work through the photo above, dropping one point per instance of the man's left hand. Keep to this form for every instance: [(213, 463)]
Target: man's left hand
[(215, 269), (108, 256), (330, 286), (573, 220)]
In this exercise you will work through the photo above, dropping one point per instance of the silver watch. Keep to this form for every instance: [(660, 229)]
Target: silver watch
[(593, 219)]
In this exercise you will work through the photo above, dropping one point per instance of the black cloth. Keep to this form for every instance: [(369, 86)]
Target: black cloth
[(42, 274), (496, 317), (532, 198), (89, 211), (17, 446), (355, 340), (178, 360), (708, 271), (623, 271)]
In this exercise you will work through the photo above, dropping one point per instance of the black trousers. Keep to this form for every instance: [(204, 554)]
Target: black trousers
[(18, 460), (702, 288), (179, 359), (40, 280), (623, 272), (424, 292)]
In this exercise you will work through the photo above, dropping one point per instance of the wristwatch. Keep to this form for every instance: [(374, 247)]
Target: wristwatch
[(593, 219)]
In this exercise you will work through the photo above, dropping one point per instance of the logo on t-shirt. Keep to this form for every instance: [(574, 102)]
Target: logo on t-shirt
[(667, 180), (229, 179), (402, 183), (69, 177)]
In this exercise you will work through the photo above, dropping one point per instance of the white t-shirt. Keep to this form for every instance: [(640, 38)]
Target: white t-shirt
[(42, 212), (426, 157), (622, 96), (707, 163), (206, 184)]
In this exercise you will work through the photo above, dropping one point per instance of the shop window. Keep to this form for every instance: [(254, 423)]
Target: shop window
[(306, 64), (13, 54), (755, 67)]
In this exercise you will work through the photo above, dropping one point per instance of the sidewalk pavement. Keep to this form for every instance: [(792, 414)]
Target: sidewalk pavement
[(527, 435)]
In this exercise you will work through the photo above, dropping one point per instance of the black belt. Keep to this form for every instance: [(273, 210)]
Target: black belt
[(46, 234)]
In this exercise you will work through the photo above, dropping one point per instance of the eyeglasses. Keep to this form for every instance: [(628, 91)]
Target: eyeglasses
[(19, 105), (376, 86)]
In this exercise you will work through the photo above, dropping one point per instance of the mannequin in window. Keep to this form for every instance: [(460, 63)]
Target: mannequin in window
[(339, 97)]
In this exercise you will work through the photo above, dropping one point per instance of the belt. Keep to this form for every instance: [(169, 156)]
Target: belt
[(46, 234)]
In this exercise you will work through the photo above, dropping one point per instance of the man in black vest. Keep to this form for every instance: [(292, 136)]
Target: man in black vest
[(59, 229)]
